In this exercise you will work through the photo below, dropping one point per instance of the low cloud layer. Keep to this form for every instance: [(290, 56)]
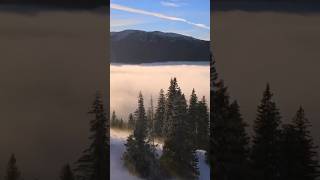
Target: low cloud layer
[(127, 80)]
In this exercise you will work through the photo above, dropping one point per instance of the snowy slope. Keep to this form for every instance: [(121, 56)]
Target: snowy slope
[(119, 172)]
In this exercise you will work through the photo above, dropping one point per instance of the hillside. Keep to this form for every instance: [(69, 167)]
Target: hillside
[(133, 46)]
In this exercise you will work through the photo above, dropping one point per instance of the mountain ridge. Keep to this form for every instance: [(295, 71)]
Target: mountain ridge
[(136, 46)]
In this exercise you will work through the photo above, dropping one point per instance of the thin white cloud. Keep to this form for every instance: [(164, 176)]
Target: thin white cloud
[(169, 4), (158, 15), (123, 22)]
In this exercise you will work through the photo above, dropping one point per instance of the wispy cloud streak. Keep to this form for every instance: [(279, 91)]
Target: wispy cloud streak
[(154, 14), (170, 4)]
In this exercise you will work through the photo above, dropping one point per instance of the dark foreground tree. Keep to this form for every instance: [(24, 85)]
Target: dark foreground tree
[(219, 153), (66, 173), (237, 140), (140, 157), (94, 163), (179, 157), (12, 171), (203, 125), (299, 154), (265, 150)]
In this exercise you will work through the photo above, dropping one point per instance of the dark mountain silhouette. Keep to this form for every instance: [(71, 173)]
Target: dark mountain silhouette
[(133, 46)]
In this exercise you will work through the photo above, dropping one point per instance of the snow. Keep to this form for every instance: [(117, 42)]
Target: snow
[(119, 172)]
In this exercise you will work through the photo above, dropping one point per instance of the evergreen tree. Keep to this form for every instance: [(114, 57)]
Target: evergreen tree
[(114, 120), (121, 123), (299, 157), (12, 171), (219, 153), (215, 170), (140, 156), (179, 157), (66, 173), (289, 166), (150, 119), (203, 125), (131, 122), (160, 114), (265, 150), (94, 163), (171, 94), (193, 118), (229, 141), (236, 151)]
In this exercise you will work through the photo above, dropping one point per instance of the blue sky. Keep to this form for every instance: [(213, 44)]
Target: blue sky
[(188, 17)]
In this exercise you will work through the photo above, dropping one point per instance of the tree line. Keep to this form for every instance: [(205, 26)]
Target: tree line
[(94, 162), (155, 118), (276, 151), (184, 128)]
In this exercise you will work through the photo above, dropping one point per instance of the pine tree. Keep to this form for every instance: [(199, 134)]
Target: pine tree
[(131, 122), (160, 114), (179, 157), (114, 119), (218, 137), (216, 168), (193, 118), (265, 150), (289, 165), (171, 94), (237, 145), (140, 157), (121, 123), (94, 163), (66, 173), (12, 171), (203, 125), (150, 119), (299, 152)]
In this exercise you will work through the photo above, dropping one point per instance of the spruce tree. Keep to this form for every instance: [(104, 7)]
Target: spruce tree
[(203, 125), (131, 122), (219, 149), (170, 97), (114, 119), (300, 160), (265, 149), (66, 173), (160, 114), (216, 170), (193, 118), (150, 119), (94, 163), (289, 166), (179, 156), (121, 124), (12, 171), (237, 145), (140, 156)]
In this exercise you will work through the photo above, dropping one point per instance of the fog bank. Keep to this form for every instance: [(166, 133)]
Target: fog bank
[(127, 80)]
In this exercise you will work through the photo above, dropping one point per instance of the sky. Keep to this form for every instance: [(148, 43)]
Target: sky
[(187, 17)]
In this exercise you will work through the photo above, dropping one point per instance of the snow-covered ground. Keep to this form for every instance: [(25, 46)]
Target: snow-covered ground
[(119, 172)]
